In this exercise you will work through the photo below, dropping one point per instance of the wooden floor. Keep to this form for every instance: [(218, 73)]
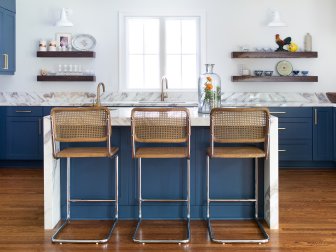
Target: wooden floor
[(307, 217)]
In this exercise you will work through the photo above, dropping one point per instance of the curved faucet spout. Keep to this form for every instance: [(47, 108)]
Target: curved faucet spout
[(100, 85)]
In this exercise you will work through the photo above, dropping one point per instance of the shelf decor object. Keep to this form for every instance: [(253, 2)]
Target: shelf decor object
[(78, 78), (84, 42), (209, 90)]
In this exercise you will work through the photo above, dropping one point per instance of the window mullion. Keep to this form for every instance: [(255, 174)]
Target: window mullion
[(163, 70)]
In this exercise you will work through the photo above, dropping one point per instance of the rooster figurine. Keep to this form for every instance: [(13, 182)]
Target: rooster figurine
[(281, 43)]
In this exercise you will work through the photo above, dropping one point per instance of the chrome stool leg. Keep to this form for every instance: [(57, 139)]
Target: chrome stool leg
[(141, 200), (54, 238), (255, 200)]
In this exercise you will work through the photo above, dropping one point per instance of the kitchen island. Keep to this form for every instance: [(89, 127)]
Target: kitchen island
[(234, 178)]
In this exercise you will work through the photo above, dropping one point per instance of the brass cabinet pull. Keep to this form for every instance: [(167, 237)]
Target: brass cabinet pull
[(7, 65), (277, 113), (315, 117), (23, 111), (282, 150), (281, 128), (5, 61)]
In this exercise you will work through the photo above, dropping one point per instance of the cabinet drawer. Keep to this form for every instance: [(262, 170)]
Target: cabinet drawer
[(295, 128), (291, 112), (25, 111), (296, 151)]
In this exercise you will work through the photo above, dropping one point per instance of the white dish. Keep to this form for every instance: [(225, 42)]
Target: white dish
[(83, 42)]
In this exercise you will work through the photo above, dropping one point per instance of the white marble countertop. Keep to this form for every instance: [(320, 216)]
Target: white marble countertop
[(246, 99)]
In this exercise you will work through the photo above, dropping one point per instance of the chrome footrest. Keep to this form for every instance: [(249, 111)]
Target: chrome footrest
[(232, 200), (264, 240), (91, 200), (187, 240), (164, 200), (54, 238)]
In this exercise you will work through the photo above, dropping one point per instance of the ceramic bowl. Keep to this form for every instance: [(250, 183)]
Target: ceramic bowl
[(304, 73), (268, 73), (296, 72), (258, 72)]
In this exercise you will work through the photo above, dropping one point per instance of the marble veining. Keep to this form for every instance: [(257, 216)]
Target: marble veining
[(188, 99)]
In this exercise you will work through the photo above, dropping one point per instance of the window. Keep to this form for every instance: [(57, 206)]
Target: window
[(155, 46)]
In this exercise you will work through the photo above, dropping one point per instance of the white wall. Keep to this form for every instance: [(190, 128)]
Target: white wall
[(230, 23)]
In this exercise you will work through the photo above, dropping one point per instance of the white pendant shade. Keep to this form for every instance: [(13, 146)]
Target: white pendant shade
[(64, 21), (276, 20)]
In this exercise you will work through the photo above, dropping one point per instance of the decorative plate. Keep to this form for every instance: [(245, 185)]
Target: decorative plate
[(83, 42), (284, 68)]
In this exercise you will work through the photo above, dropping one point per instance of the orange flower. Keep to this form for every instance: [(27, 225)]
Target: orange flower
[(208, 86), (209, 78)]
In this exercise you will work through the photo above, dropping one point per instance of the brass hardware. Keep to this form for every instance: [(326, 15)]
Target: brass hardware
[(5, 61), (281, 128), (277, 113), (101, 84), (164, 95), (315, 117), (23, 111)]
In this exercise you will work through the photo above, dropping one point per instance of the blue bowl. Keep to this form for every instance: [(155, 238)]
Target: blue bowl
[(304, 73), (258, 72), (296, 72)]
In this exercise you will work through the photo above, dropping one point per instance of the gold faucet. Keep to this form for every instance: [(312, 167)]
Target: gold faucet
[(164, 81), (101, 84)]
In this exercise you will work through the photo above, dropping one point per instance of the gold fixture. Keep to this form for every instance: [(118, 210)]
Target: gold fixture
[(101, 84)]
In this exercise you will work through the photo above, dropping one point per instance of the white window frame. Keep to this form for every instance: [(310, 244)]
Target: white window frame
[(122, 44)]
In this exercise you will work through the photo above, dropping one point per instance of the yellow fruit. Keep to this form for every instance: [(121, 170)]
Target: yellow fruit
[(292, 47)]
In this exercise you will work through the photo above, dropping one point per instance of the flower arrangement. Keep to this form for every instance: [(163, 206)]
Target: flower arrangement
[(211, 96)]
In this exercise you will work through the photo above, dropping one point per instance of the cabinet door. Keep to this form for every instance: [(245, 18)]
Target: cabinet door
[(24, 138), (323, 134), (8, 4), (2, 132), (7, 34)]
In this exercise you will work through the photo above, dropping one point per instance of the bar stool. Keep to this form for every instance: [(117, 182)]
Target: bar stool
[(238, 126), (166, 126), (85, 125)]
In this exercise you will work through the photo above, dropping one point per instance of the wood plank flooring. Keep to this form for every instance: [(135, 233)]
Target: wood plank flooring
[(307, 217)]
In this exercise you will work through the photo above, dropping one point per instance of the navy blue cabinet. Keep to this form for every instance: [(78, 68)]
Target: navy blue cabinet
[(24, 133), (295, 133), (8, 5), (323, 134), (7, 37)]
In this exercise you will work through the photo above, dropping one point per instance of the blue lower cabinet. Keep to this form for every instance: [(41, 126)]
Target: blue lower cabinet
[(161, 178), (2, 132), (24, 138), (323, 134)]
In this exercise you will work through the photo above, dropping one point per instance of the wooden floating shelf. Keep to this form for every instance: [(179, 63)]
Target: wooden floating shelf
[(66, 78), (275, 79), (247, 55), (71, 54)]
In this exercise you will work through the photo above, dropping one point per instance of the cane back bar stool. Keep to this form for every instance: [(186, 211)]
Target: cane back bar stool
[(167, 126), (71, 125), (241, 126)]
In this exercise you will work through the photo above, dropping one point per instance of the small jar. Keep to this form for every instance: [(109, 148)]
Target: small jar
[(43, 46), (52, 46)]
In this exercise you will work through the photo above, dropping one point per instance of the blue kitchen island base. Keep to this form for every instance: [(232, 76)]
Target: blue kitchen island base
[(162, 178)]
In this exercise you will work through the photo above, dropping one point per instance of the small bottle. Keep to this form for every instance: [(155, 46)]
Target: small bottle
[(308, 43)]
